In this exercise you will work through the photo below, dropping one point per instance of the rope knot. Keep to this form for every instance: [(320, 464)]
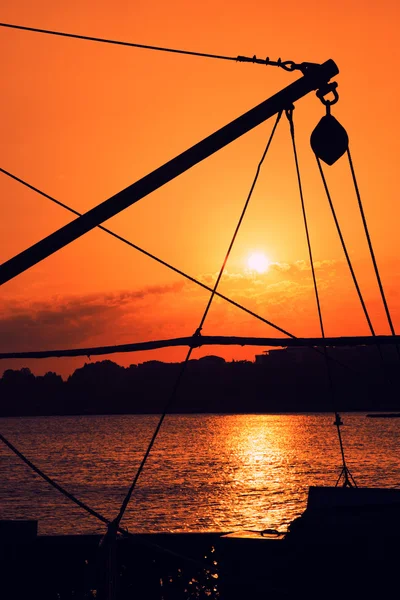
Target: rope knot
[(195, 338), (110, 534)]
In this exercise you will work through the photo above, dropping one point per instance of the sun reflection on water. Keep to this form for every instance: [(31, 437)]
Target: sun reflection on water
[(205, 473)]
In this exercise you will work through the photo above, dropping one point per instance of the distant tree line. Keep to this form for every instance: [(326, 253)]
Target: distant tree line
[(288, 380)]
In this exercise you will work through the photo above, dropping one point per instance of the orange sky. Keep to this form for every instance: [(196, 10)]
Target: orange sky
[(82, 120)]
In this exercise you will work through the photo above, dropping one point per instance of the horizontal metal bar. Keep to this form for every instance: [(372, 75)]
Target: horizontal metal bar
[(211, 340)]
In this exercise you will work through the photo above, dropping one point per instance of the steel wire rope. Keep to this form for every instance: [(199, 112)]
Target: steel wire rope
[(53, 483), (287, 65), (371, 249), (90, 38), (138, 539), (349, 263), (175, 388), (348, 478)]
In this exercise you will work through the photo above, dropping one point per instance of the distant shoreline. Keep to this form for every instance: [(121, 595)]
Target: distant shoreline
[(288, 381), (214, 414)]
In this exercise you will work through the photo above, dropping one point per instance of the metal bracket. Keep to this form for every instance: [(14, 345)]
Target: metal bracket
[(329, 88)]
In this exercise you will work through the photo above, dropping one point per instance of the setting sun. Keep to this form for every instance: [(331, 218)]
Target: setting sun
[(257, 261)]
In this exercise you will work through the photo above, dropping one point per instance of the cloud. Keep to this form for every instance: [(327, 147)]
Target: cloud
[(151, 312), (284, 295), (296, 267), (283, 283), (73, 320), (303, 265)]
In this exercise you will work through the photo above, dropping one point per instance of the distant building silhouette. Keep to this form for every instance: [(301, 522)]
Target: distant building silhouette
[(286, 380)]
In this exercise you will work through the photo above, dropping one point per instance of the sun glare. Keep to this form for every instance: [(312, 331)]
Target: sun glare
[(257, 261)]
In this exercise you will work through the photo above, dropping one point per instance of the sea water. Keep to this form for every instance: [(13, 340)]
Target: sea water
[(205, 472)]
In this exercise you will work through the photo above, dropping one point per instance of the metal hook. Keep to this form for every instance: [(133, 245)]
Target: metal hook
[(326, 89)]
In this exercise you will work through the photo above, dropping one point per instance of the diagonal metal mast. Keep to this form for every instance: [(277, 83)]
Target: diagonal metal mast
[(315, 77)]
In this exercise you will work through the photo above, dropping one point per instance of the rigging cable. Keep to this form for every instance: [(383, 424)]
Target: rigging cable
[(53, 483), (134, 538), (125, 502), (349, 263), (152, 256), (371, 250), (348, 478), (287, 65), (328, 195)]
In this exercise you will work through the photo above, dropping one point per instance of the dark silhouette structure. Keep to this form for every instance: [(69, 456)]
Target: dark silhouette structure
[(299, 380), (286, 380)]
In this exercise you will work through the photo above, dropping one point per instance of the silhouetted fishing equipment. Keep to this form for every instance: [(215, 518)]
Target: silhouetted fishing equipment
[(286, 65), (371, 249), (329, 142), (348, 479)]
